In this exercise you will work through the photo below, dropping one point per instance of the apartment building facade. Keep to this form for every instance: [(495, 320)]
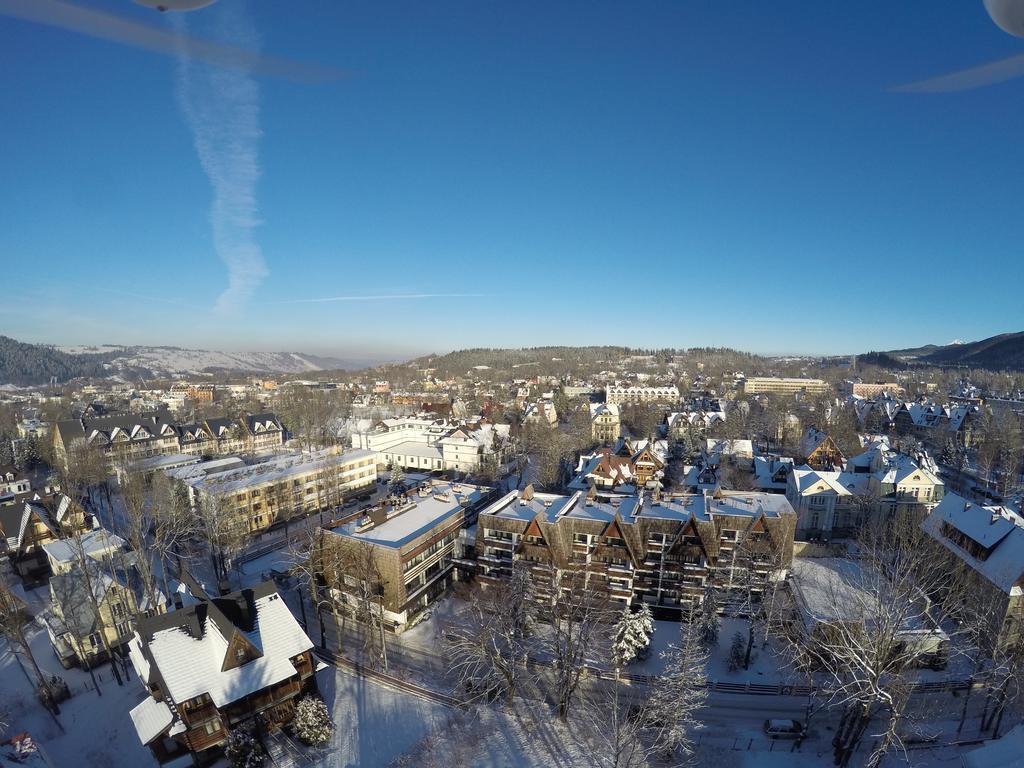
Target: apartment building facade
[(286, 487), (621, 394), (784, 386), (659, 550), (412, 541), (130, 438)]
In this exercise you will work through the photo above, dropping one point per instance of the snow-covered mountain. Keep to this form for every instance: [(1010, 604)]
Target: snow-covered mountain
[(168, 362)]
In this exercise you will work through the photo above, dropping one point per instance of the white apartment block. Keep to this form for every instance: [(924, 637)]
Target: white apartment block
[(424, 444), (617, 394)]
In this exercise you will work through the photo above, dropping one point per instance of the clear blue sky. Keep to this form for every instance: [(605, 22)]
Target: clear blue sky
[(654, 174)]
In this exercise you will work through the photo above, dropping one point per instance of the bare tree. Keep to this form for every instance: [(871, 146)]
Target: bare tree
[(225, 531), (173, 526), (577, 616), (616, 729), (12, 627), (135, 527), (877, 623), (487, 643), (680, 692)]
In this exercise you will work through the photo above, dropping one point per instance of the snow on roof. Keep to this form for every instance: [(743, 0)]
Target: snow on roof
[(190, 666), (414, 448), (998, 530), (94, 543), (830, 589), (809, 480), (418, 514), (151, 718), (276, 470), (513, 505)]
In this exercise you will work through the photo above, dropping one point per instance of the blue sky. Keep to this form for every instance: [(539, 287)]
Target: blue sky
[(653, 174)]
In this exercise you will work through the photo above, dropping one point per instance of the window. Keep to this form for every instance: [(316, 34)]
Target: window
[(240, 654), (212, 727), (581, 538)]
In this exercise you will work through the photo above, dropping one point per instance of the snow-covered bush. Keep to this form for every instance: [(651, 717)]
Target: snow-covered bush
[(632, 635), (243, 751), (312, 721)]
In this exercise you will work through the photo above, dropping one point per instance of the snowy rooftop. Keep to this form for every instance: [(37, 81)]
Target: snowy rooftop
[(93, 543), (421, 510), (522, 505), (415, 448), (188, 647), (704, 507), (275, 470), (998, 530)]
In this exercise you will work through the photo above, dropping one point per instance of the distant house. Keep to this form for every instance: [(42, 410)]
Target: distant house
[(216, 664), (541, 412), (605, 422), (819, 451), (26, 527)]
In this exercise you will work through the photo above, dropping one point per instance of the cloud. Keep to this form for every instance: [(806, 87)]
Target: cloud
[(222, 108), (385, 297)]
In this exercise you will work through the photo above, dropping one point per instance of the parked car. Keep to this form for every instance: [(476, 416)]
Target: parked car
[(784, 729)]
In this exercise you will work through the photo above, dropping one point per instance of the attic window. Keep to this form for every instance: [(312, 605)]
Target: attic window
[(240, 654)]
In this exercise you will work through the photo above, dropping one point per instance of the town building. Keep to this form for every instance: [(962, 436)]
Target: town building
[(783, 386), (129, 438), (413, 544), (29, 525), (605, 422), (878, 483), (866, 390), (79, 632), (427, 444), (819, 451), (285, 487), (540, 412), (661, 550), (217, 664), (986, 545), (12, 483), (621, 394)]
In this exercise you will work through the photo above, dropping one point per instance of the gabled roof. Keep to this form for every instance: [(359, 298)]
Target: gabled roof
[(185, 649), (996, 530)]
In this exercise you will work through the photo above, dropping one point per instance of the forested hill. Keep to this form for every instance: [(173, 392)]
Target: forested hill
[(528, 361), (996, 353), (23, 364)]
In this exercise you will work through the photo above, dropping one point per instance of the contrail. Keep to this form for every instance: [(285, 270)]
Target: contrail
[(385, 297), (222, 108)]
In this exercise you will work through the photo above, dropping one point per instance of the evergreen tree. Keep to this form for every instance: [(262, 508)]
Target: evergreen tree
[(243, 751), (312, 721), (631, 635), (737, 651), (708, 621)]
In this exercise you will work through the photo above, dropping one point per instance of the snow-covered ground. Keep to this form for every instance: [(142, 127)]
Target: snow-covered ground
[(374, 725), (97, 730)]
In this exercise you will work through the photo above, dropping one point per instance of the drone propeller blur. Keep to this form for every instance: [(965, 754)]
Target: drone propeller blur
[(1008, 15), (175, 5), (159, 38)]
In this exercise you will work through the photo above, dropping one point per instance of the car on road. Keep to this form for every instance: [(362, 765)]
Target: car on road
[(784, 729)]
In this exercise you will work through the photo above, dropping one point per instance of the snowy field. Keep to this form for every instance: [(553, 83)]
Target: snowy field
[(95, 730)]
